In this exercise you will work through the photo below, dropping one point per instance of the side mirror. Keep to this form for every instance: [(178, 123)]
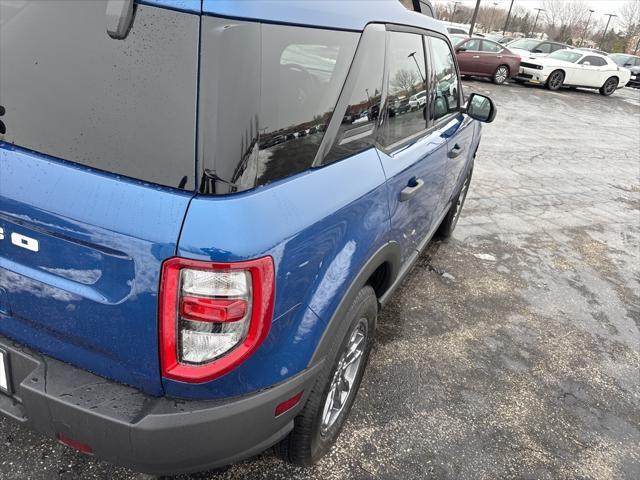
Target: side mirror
[(460, 49), (628, 64), (537, 50), (586, 64), (481, 108), (441, 107)]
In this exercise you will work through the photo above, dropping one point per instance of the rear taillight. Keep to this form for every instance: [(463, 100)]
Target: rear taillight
[(212, 315)]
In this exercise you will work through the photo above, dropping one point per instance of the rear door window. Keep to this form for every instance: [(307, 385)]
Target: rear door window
[(472, 45), (489, 46), (361, 114), (407, 74)]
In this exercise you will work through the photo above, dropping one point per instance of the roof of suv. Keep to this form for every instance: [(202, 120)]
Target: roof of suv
[(337, 14)]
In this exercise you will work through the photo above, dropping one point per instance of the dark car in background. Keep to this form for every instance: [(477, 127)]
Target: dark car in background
[(630, 62), (486, 58)]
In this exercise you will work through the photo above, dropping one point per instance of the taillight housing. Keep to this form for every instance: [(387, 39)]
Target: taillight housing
[(212, 315)]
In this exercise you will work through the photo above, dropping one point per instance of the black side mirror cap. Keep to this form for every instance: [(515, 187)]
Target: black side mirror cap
[(480, 107)]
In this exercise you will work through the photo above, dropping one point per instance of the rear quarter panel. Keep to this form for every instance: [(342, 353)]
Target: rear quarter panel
[(319, 227)]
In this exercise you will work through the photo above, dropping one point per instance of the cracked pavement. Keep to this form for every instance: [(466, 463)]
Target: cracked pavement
[(511, 351)]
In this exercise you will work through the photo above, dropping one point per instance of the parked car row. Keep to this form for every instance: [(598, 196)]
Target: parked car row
[(543, 62)]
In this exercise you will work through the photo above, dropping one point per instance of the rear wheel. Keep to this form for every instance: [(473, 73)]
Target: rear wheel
[(448, 225), (555, 80), (609, 86), (501, 74), (321, 420)]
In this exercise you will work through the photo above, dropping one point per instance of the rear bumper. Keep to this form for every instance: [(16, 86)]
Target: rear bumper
[(148, 434)]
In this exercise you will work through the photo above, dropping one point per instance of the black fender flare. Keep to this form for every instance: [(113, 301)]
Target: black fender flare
[(335, 329)]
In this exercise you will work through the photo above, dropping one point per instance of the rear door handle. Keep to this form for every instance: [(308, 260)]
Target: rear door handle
[(476, 56), (410, 190), (456, 151), (499, 56)]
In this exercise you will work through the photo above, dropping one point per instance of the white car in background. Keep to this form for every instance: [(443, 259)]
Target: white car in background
[(418, 100), (574, 68)]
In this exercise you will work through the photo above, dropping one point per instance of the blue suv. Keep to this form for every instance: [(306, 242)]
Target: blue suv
[(203, 206)]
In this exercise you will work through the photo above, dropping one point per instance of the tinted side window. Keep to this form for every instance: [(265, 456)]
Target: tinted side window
[(303, 70), (543, 48), (594, 61), (447, 88), (472, 45), (357, 128), (557, 46), (407, 95), (488, 46), (267, 93)]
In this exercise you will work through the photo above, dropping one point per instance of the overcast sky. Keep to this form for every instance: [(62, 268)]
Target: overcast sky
[(600, 6)]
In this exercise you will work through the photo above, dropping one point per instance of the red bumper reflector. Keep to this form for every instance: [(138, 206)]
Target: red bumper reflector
[(288, 404), (213, 309), (76, 445)]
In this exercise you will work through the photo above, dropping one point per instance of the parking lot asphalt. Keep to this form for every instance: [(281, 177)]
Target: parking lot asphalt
[(512, 350)]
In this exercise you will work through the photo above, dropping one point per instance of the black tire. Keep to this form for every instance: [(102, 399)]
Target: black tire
[(555, 80), (609, 86), (448, 225), (307, 443), (501, 75)]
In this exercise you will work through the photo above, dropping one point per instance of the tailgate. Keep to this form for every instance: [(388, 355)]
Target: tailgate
[(81, 248), (80, 256)]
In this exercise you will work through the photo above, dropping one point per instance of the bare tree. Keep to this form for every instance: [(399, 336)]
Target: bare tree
[(565, 18), (629, 20), (404, 80)]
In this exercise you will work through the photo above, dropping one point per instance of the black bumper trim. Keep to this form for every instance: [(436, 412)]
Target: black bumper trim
[(155, 435)]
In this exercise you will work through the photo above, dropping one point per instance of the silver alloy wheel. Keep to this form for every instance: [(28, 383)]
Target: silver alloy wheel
[(461, 198), (341, 387), (501, 74)]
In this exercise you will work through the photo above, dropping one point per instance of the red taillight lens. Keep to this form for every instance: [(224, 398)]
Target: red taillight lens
[(212, 309), (212, 315)]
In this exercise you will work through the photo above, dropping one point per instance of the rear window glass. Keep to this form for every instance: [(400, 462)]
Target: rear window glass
[(123, 106), (273, 118)]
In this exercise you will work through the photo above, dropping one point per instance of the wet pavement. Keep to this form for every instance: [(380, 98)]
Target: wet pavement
[(513, 350)]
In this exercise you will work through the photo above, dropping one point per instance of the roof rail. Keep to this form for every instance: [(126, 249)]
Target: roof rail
[(422, 6)]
